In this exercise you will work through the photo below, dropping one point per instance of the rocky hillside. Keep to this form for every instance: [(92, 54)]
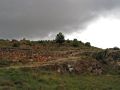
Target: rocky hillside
[(70, 56)]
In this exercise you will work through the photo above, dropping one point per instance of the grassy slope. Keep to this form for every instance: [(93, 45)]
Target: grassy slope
[(36, 79)]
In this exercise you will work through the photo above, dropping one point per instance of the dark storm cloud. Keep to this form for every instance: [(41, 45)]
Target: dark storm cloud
[(38, 18)]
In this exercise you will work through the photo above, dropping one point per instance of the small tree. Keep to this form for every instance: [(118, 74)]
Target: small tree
[(60, 38)]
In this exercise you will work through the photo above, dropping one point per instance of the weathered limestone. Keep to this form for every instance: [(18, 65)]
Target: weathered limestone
[(15, 54), (19, 54)]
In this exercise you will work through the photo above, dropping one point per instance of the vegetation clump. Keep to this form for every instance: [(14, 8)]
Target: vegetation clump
[(75, 43), (88, 44), (116, 48)]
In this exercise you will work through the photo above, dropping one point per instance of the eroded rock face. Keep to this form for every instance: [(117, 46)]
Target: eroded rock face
[(20, 54), (88, 66), (15, 54), (78, 67), (29, 55)]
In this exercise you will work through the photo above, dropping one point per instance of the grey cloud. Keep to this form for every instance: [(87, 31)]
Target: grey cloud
[(38, 18)]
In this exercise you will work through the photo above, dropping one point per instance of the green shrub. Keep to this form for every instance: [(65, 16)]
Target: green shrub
[(68, 41), (116, 48), (16, 45), (88, 44), (75, 43), (101, 56)]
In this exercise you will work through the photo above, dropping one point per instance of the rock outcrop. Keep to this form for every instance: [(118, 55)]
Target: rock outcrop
[(78, 67)]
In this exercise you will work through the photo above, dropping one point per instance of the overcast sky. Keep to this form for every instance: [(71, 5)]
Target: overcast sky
[(42, 19)]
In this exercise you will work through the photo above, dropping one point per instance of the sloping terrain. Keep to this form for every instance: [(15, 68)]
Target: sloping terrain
[(49, 66)]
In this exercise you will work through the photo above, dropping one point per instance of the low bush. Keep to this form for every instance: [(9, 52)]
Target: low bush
[(101, 56), (75, 43), (88, 44)]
